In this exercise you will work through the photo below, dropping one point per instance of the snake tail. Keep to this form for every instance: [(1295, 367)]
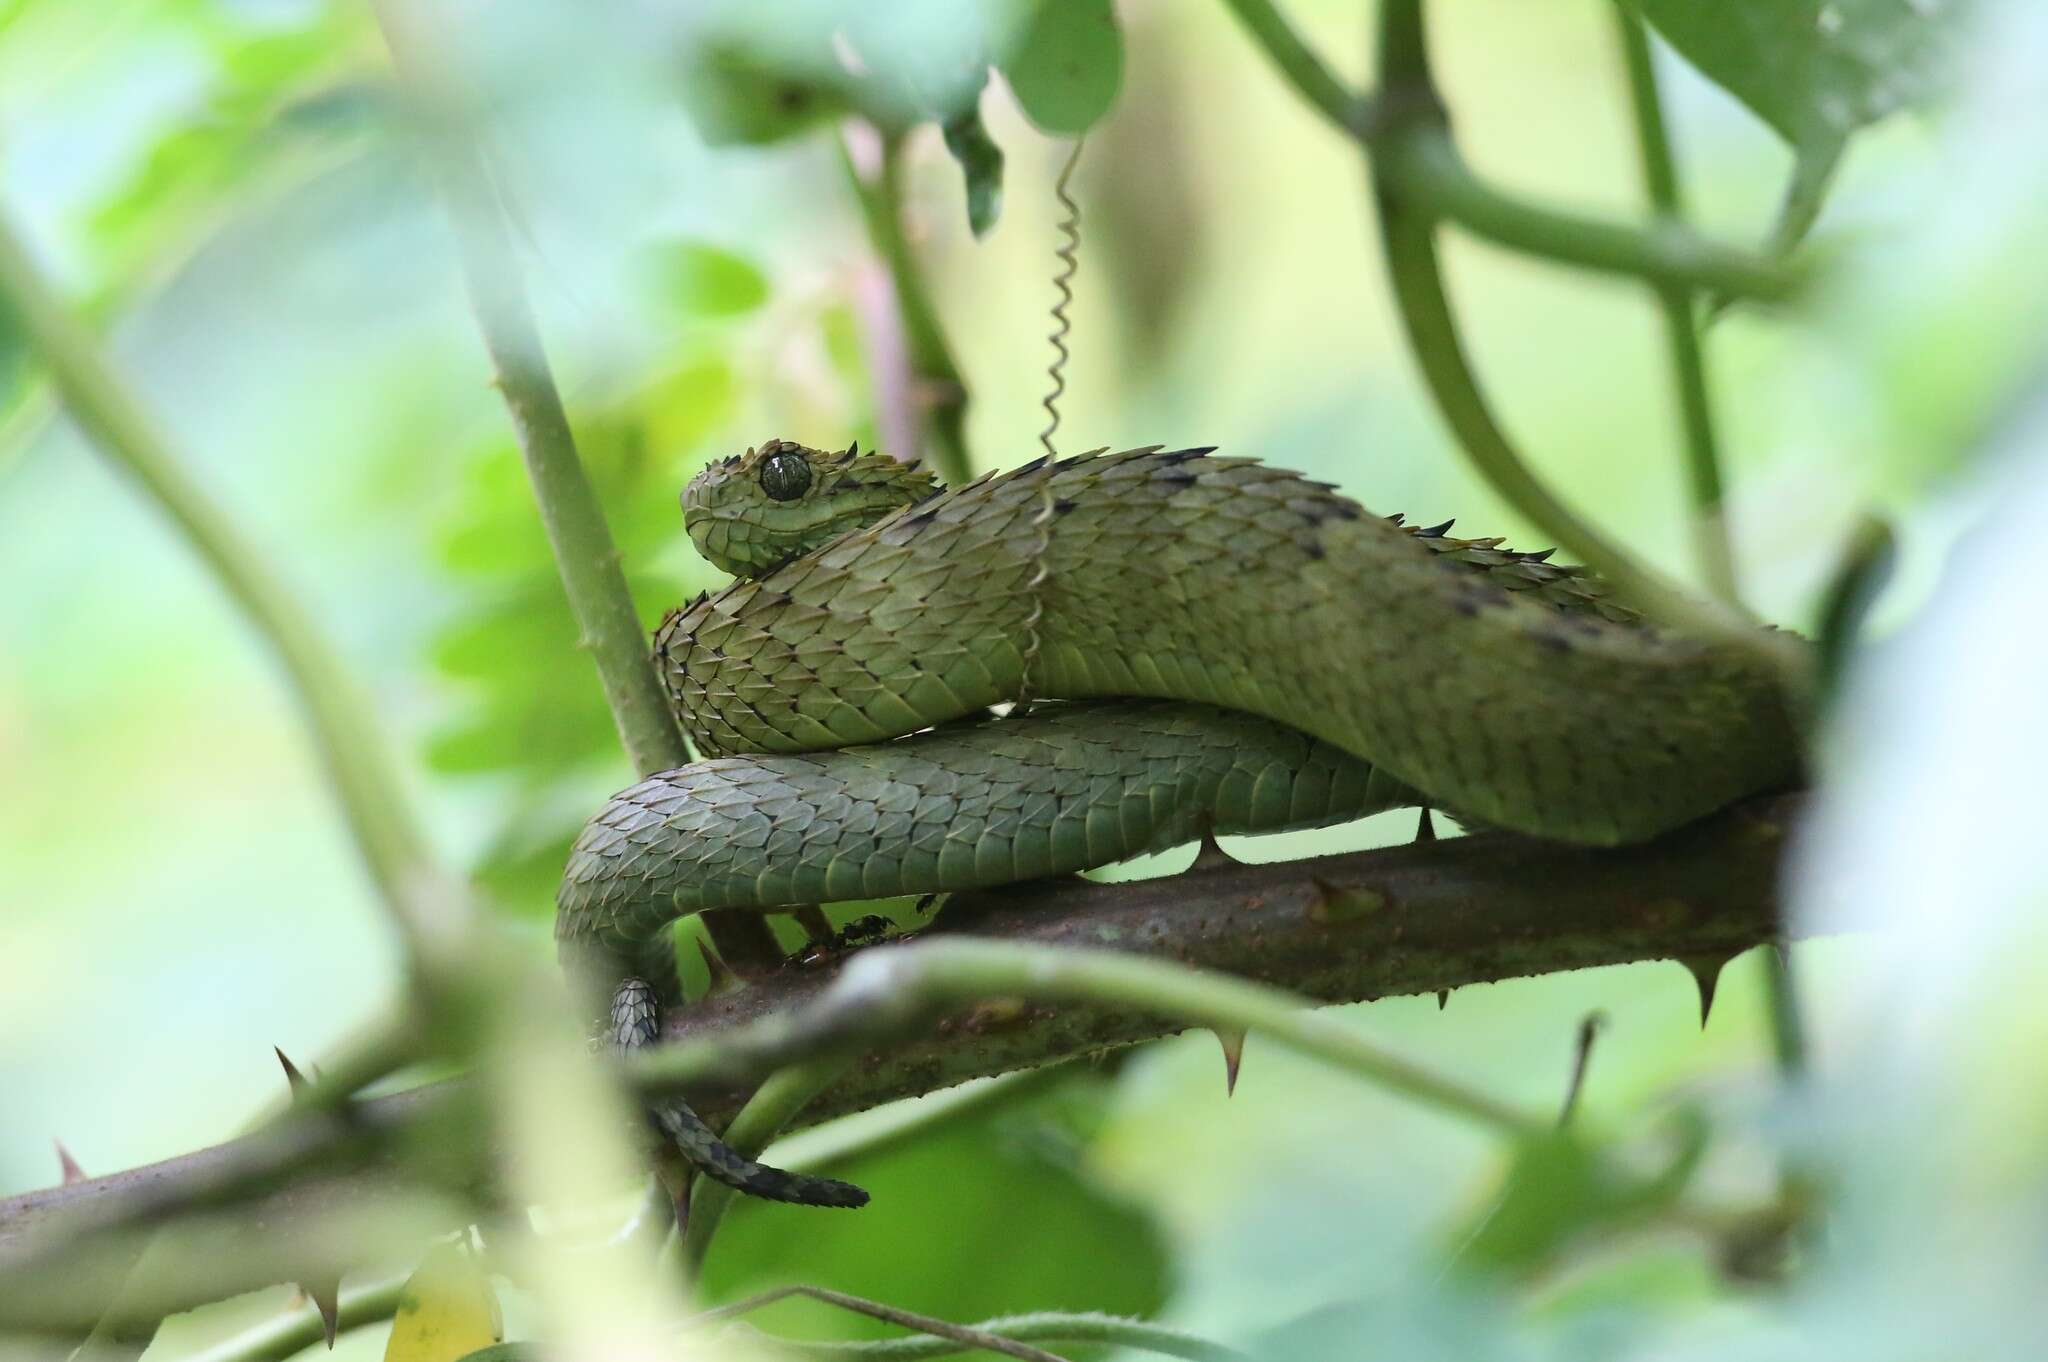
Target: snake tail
[(636, 1022)]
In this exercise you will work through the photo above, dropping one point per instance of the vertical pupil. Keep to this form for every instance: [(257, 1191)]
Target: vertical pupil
[(785, 477)]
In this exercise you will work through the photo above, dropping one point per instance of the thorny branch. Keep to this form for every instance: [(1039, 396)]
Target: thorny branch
[(1404, 920)]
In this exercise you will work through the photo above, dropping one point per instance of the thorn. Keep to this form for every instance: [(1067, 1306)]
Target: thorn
[(297, 1080), (72, 1172), (1209, 855), (1443, 998), (853, 449), (1425, 827), (1706, 972), (1582, 1054), (1233, 1055), (326, 1298), (721, 976)]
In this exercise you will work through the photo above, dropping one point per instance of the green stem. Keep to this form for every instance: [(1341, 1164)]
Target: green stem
[(1108, 1330), (1788, 1024), (586, 559), (1425, 167), (1042, 1327), (1011, 1336), (937, 388), (1304, 70), (1429, 170), (585, 556), (773, 1106), (878, 1128), (894, 991), (424, 907), (1688, 363), (1408, 239)]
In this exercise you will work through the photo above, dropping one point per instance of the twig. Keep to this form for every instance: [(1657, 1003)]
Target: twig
[(576, 528), (1045, 1327), (940, 393), (585, 556), (1430, 174), (966, 1335), (1403, 920), (1688, 363), (1408, 237)]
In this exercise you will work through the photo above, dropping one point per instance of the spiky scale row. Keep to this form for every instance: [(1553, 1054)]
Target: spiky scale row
[(1502, 683)]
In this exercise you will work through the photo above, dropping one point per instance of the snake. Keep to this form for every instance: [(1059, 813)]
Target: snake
[(1208, 644)]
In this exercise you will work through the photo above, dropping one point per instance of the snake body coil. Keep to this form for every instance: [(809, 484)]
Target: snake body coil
[(1277, 657)]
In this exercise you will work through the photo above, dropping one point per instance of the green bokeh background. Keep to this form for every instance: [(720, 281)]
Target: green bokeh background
[(222, 183)]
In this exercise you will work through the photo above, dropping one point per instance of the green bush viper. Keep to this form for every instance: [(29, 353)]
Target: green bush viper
[(1233, 646)]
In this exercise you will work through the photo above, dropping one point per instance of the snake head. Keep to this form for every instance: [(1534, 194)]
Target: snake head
[(753, 512)]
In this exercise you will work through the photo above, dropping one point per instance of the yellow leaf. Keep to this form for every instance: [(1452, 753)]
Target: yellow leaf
[(446, 1311)]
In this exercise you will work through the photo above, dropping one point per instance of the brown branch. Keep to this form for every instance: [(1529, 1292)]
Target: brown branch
[(1412, 919)]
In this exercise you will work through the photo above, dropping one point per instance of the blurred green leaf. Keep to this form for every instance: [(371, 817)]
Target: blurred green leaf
[(757, 71), (279, 97), (1561, 1189), (1067, 68), (994, 1187), (709, 281), (927, 60), (981, 162), (736, 94), (1815, 70)]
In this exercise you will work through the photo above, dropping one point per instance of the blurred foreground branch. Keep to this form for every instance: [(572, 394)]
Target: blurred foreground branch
[(1412, 919)]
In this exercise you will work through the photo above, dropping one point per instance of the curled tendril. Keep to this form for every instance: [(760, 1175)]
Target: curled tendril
[(1070, 262)]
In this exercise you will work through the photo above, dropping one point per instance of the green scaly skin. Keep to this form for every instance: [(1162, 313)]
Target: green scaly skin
[(1320, 662)]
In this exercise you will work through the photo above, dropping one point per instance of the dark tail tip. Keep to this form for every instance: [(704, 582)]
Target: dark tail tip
[(722, 1163)]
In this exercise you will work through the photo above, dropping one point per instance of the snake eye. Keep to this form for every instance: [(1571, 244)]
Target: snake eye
[(785, 476)]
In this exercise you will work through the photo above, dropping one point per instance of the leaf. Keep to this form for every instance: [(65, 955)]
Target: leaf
[(1067, 68), (446, 1311), (279, 98), (1561, 1189), (1815, 70), (736, 93), (709, 281), (762, 70), (981, 162)]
